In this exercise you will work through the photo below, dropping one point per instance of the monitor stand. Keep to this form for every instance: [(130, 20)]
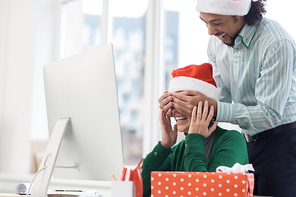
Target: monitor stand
[(40, 182)]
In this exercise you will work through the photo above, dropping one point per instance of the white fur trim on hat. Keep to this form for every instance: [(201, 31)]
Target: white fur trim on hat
[(189, 83), (224, 7)]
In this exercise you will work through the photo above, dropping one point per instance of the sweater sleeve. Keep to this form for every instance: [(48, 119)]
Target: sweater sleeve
[(156, 160), (195, 159)]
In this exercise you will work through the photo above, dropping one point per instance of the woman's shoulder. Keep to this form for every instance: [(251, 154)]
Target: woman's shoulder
[(229, 134)]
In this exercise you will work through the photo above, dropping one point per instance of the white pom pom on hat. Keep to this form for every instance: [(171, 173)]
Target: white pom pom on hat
[(197, 78), (224, 7)]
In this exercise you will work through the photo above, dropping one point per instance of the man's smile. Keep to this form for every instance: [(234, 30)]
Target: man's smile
[(223, 37)]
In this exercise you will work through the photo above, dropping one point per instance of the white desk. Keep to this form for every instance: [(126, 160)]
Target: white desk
[(49, 195), (9, 195)]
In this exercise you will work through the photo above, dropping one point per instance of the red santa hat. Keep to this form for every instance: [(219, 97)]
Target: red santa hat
[(196, 78), (224, 7)]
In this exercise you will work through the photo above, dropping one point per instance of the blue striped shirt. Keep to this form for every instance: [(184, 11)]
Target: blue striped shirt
[(256, 76)]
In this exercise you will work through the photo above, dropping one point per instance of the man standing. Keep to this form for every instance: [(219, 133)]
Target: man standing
[(254, 62)]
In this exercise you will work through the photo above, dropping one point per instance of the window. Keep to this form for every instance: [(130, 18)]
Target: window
[(128, 38), (150, 39), (79, 26), (81, 30)]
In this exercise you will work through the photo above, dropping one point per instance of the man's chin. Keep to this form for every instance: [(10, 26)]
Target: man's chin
[(229, 44)]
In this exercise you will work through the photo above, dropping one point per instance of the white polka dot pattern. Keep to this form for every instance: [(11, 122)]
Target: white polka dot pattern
[(201, 184)]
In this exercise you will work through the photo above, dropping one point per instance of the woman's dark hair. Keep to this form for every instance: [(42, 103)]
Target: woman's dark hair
[(256, 11)]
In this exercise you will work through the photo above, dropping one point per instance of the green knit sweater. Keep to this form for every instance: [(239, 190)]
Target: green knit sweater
[(229, 147)]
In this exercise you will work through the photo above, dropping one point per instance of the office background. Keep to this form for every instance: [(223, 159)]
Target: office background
[(150, 38)]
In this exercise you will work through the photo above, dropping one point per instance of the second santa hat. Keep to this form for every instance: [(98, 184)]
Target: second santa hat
[(224, 7), (196, 78)]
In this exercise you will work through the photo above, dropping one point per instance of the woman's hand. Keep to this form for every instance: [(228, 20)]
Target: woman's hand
[(201, 118), (165, 103), (168, 135)]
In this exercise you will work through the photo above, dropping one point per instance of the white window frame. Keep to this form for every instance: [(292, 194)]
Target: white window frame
[(153, 85)]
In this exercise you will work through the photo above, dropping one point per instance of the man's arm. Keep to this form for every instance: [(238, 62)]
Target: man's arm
[(272, 90), (272, 87)]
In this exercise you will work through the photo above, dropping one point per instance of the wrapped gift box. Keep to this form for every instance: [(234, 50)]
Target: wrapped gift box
[(167, 184)]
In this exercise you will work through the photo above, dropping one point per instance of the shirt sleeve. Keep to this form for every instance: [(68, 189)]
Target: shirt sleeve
[(272, 88)]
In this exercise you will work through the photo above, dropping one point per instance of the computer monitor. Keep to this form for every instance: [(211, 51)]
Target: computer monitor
[(82, 110)]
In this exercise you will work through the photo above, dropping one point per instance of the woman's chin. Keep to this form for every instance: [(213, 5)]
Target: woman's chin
[(182, 129)]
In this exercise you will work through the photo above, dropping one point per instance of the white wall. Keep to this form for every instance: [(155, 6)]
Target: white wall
[(21, 51), (17, 72), (284, 13)]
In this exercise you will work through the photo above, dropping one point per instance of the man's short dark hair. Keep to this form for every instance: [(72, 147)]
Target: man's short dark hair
[(256, 11)]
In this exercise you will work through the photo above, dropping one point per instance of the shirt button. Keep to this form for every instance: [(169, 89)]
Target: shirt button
[(155, 153), (185, 145)]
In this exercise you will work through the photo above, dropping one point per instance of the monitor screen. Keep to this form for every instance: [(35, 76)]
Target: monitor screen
[(83, 87)]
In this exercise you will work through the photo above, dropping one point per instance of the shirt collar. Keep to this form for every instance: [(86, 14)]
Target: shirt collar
[(246, 35)]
